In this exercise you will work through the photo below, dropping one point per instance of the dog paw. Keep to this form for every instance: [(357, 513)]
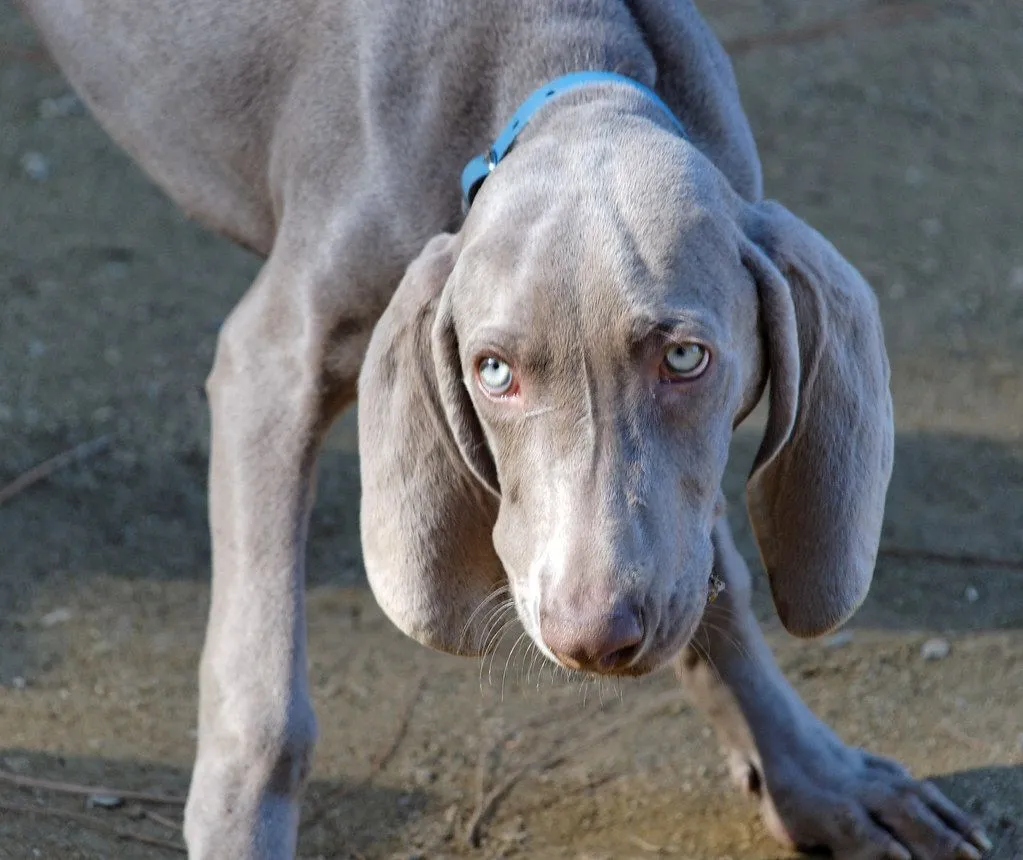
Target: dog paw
[(856, 805)]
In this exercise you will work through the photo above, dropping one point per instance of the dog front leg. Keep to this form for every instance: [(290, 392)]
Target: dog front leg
[(271, 401), (815, 792)]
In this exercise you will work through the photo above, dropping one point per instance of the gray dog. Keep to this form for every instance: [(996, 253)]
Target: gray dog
[(547, 390)]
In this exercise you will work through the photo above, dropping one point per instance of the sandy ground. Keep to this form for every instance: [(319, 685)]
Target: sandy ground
[(899, 137)]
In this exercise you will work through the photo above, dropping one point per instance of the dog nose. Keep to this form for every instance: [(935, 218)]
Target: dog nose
[(605, 642)]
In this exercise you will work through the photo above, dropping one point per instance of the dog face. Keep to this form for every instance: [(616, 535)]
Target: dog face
[(607, 347), (604, 319)]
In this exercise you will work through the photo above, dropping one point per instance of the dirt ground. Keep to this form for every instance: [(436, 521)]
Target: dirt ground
[(898, 134)]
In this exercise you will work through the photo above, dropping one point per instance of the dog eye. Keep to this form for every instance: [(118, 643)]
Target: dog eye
[(685, 361), (495, 375)]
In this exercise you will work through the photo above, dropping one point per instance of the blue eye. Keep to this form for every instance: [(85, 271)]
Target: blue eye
[(495, 375), (686, 360)]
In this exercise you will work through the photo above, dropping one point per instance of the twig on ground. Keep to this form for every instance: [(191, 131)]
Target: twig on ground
[(488, 746), (961, 736), (881, 16), (95, 824), (565, 792), (75, 788), (953, 558), (488, 803), (39, 473), (643, 845), (163, 820), (383, 758), (491, 744), (377, 763)]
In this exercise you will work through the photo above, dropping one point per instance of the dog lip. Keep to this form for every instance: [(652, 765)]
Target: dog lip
[(637, 670)]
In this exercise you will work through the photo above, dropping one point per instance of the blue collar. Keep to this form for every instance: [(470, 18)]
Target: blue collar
[(481, 166)]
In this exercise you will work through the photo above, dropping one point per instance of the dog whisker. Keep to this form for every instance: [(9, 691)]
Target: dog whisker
[(494, 618), (729, 638), (704, 654), (508, 660), (494, 595), (499, 639), (496, 626)]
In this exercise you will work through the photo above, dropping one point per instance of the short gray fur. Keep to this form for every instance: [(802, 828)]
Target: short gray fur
[(327, 136)]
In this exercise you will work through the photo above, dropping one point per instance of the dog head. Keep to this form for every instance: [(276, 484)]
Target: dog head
[(548, 401)]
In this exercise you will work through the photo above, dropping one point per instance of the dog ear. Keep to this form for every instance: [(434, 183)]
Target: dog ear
[(817, 489), (429, 491)]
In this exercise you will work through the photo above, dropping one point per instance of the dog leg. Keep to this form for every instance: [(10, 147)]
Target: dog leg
[(286, 364), (815, 792)]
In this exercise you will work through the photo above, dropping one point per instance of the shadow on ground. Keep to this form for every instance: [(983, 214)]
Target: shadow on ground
[(351, 815), (354, 820), (986, 792)]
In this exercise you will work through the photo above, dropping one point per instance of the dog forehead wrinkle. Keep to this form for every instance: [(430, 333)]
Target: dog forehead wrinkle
[(520, 271)]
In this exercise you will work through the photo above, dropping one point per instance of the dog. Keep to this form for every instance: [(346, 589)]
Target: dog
[(550, 363)]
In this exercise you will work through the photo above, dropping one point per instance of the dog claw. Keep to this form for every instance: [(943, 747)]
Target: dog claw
[(980, 839), (967, 852)]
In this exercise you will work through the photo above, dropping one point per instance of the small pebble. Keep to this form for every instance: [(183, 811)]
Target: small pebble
[(423, 776), (896, 290), (971, 594), (61, 106), (19, 683), (58, 616), (35, 166), (21, 764), (935, 649), (104, 801)]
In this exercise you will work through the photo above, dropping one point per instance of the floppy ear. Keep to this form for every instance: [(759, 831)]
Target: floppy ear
[(429, 498), (816, 492)]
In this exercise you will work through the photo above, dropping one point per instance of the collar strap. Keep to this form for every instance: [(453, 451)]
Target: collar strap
[(483, 165)]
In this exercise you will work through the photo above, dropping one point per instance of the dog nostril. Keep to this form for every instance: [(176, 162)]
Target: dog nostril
[(619, 658), (622, 640)]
